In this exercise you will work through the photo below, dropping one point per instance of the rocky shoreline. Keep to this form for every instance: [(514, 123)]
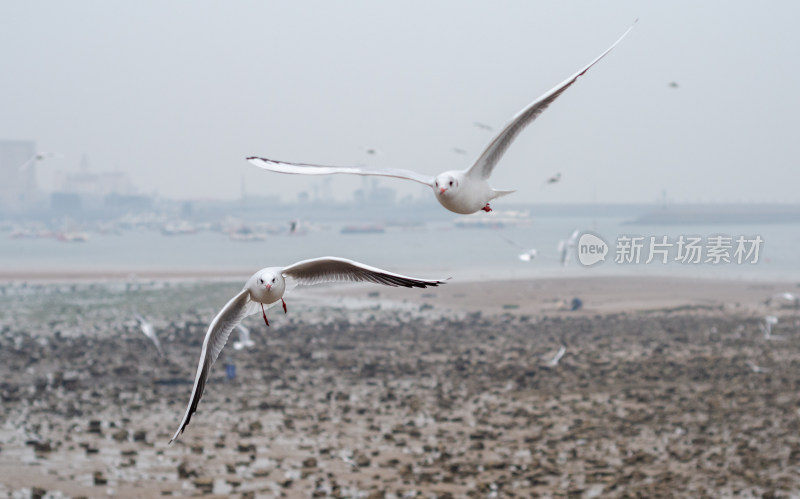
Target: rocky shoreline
[(383, 400)]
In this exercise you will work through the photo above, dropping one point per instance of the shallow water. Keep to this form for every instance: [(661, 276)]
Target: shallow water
[(436, 249)]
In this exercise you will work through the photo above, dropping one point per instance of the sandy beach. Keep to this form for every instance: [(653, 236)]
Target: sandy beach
[(666, 387)]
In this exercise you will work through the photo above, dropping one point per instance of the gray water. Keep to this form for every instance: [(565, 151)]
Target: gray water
[(436, 250)]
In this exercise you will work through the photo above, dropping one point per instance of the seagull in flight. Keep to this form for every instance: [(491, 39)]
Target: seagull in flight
[(149, 331), (527, 254), (557, 357), (266, 287), (460, 191), (566, 247), (554, 179), (244, 338), (39, 156)]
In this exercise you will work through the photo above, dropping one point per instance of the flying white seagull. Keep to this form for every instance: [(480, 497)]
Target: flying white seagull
[(567, 246), (460, 191), (267, 286), (39, 156), (557, 357), (244, 338), (149, 331), (527, 254)]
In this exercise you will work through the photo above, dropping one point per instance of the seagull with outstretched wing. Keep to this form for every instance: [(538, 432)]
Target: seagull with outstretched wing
[(460, 191), (266, 287)]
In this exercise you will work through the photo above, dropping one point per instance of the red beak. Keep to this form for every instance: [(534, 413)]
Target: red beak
[(441, 190), (269, 286)]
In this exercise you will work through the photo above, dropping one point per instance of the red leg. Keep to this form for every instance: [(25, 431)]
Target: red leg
[(264, 314), (487, 208), (284, 305)]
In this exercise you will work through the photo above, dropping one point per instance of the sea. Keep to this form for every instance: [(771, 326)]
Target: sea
[(437, 249)]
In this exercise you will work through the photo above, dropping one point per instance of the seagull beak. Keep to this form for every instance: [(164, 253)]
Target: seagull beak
[(269, 286), (441, 190)]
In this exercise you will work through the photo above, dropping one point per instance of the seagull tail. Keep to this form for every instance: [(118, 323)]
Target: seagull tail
[(498, 193)]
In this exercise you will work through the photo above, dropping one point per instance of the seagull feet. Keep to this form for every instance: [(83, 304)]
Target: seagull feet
[(487, 208), (284, 305), (264, 314)]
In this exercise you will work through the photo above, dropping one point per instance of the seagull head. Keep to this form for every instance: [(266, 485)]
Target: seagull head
[(445, 184), (267, 285)]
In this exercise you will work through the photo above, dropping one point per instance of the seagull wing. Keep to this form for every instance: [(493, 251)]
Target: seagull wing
[(329, 268), (305, 169), (26, 164), (497, 147), (216, 337)]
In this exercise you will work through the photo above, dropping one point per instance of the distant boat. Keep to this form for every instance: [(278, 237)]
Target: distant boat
[(362, 229), (174, 229), (246, 234), (479, 224), (495, 220), (72, 237)]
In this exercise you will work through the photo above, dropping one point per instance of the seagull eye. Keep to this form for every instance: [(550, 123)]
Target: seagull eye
[(260, 280), (451, 182), (273, 279)]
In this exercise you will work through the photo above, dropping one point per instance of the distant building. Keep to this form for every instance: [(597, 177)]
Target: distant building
[(98, 184), (17, 184), (111, 192)]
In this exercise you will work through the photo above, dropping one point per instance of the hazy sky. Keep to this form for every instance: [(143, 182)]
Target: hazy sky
[(177, 94)]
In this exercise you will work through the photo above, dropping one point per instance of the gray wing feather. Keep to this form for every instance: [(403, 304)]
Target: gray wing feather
[(327, 269), (306, 169), (497, 147), (216, 337)]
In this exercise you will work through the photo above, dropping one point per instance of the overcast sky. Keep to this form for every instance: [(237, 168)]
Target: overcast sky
[(176, 94)]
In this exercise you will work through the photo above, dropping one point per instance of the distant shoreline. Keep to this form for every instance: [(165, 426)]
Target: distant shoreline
[(89, 275)]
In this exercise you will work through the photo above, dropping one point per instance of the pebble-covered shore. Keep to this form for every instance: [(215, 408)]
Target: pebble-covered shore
[(391, 401)]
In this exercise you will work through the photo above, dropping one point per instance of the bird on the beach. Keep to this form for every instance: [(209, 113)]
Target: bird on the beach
[(149, 331), (769, 322), (460, 191), (755, 368), (266, 287)]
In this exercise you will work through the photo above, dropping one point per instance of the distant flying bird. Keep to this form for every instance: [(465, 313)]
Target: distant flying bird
[(460, 191), (557, 357), (266, 287), (566, 246), (483, 126), (40, 156), (149, 331), (555, 178), (527, 254), (244, 338), (371, 151), (673, 84), (458, 150)]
